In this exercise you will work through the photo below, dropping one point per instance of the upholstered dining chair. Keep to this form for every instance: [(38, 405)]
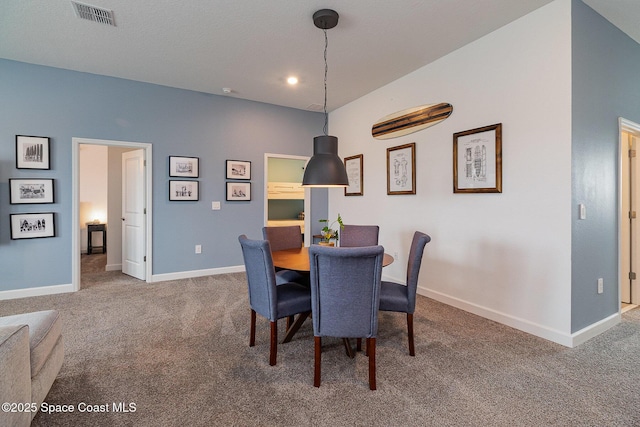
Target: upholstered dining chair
[(359, 235), (345, 292), (281, 238), (267, 299), (402, 298)]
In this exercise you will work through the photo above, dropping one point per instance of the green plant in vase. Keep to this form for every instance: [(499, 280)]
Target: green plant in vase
[(328, 232)]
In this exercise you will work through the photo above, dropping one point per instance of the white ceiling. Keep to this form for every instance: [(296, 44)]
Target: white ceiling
[(251, 46)]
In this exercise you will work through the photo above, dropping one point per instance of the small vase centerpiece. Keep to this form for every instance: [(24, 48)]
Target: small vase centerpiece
[(329, 233)]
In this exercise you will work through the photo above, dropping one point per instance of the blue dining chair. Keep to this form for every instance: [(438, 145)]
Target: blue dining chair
[(270, 301), (402, 298), (281, 238), (345, 292), (359, 235)]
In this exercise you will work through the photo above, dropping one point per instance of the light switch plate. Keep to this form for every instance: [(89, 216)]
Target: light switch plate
[(215, 206)]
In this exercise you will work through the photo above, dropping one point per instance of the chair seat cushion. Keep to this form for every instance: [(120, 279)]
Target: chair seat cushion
[(45, 327), (293, 298), (287, 276), (393, 297)]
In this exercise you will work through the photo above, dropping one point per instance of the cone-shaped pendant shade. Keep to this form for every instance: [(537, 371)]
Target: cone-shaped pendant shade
[(325, 169)]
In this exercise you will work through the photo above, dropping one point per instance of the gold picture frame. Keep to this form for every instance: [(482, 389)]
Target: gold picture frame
[(353, 165), (401, 169), (477, 160)]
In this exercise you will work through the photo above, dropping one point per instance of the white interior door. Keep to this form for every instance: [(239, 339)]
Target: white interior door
[(133, 214), (631, 294)]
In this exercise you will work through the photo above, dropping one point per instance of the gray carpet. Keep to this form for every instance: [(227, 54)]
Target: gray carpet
[(179, 351)]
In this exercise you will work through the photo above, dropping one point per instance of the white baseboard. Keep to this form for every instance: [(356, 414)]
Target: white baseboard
[(196, 273), (562, 338), (113, 267), (34, 292)]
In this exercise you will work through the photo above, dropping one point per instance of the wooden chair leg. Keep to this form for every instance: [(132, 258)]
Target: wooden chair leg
[(273, 351), (371, 350), (252, 329), (412, 351), (316, 369)]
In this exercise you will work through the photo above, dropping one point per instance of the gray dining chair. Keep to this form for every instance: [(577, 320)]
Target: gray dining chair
[(359, 235), (270, 301), (345, 292), (402, 298), (281, 238)]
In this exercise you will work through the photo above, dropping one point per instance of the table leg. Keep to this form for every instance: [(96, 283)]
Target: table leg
[(347, 347), (296, 325)]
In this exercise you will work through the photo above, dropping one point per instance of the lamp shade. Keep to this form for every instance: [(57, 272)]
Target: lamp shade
[(325, 169)]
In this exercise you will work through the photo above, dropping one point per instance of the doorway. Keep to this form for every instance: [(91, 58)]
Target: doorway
[(285, 201), (629, 236), (78, 211)]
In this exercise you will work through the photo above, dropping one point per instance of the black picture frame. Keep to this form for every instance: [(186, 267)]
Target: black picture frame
[(30, 191), (238, 191), (32, 225), (184, 167), (184, 191), (33, 152), (239, 169)]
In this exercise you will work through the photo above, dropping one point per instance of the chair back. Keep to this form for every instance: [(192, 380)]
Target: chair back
[(260, 276), (359, 235), (281, 238), (418, 243), (345, 290)]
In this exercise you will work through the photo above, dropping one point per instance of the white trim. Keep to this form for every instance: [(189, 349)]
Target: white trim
[(75, 210), (567, 340), (196, 273), (597, 328), (60, 289), (624, 125), (113, 267), (307, 194), (35, 292)]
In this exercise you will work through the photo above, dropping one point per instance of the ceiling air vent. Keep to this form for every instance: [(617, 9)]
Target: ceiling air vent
[(93, 13)]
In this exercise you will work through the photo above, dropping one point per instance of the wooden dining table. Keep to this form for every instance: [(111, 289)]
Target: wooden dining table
[(298, 259)]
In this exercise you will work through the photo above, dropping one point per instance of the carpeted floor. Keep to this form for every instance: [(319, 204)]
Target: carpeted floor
[(179, 352)]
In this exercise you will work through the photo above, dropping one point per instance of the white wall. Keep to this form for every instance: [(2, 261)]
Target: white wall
[(93, 190), (504, 256)]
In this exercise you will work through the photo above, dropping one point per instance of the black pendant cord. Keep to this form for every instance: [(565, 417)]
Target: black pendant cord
[(326, 68)]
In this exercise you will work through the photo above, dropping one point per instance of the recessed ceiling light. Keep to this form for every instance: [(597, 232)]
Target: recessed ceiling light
[(292, 80)]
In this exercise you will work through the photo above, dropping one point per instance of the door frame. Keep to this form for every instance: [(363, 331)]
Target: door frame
[(624, 126), (75, 204), (307, 193)]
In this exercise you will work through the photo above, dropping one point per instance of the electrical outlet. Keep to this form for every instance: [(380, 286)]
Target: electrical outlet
[(600, 285), (198, 249)]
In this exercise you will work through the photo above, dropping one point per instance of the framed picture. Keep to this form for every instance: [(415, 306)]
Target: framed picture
[(353, 165), (238, 169), (185, 167), (32, 225), (477, 160), (32, 152), (401, 169), (238, 191), (23, 191), (183, 191)]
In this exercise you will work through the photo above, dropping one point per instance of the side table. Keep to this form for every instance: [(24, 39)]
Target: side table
[(91, 227)]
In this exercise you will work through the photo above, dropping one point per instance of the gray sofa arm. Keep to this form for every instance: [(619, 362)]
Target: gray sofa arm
[(15, 375)]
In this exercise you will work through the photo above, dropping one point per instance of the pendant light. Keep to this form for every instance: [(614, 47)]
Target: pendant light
[(325, 168)]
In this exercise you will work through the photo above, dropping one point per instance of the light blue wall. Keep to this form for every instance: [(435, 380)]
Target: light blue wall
[(606, 85), (63, 104)]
